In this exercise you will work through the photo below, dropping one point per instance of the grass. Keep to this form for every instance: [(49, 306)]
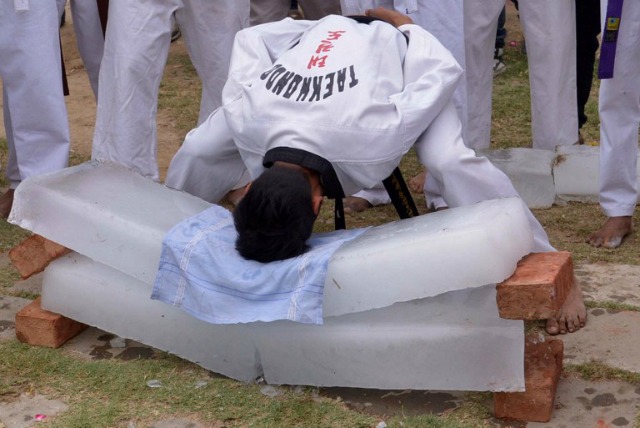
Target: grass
[(180, 91), (597, 371), (114, 393), (613, 306)]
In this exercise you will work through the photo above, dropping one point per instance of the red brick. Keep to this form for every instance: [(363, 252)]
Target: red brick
[(542, 369), (34, 254), (39, 327), (537, 288)]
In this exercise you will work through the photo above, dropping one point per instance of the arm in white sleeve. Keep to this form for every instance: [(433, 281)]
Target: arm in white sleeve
[(208, 164)]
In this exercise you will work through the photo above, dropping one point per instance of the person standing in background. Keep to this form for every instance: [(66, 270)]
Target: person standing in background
[(499, 66), (135, 53), (619, 110), (587, 31), (549, 29), (35, 115)]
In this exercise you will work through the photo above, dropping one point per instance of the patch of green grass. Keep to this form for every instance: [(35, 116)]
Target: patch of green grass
[(111, 393), (614, 306), (568, 227), (10, 235), (77, 158), (25, 294), (511, 104), (180, 92), (8, 277), (3, 161), (597, 371)]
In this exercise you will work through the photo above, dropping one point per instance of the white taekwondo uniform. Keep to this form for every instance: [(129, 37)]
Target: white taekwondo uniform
[(352, 95), (35, 115), (619, 109), (136, 48)]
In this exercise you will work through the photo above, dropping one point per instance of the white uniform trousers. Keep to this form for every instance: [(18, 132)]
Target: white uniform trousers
[(89, 38), (35, 115), (549, 30), (136, 48), (445, 20), (619, 106), (463, 177), (263, 11), (208, 165)]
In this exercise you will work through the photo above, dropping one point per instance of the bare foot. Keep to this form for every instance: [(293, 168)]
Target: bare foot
[(6, 202), (235, 195), (572, 315), (612, 232), (353, 204)]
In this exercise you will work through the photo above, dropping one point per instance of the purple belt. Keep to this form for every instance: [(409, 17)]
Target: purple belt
[(609, 39)]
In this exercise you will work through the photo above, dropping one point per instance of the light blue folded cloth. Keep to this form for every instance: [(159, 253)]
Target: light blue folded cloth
[(201, 272)]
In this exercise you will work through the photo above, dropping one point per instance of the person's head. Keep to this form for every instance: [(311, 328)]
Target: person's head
[(275, 217)]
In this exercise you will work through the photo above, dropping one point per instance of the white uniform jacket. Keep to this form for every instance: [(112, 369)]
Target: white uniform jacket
[(346, 99), (357, 95)]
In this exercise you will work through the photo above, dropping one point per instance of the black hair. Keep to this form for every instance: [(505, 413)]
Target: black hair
[(275, 218)]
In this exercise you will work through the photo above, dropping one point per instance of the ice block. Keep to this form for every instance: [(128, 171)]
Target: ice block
[(104, 211), (425, 256), (119, 218), (455, 341), (576, 173), (97, 295), (530, 171)]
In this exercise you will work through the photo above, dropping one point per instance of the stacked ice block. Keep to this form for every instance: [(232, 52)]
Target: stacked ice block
[(415, 307), (530, 171)]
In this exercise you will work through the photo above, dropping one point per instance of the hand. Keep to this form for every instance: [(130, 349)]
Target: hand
[(393, 17)]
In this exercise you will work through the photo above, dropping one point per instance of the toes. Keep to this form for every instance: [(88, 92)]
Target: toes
[(557, 325), (594, 241), (552, 326)]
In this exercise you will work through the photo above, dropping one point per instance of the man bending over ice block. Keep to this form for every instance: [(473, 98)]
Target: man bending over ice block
[(327, 108)]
